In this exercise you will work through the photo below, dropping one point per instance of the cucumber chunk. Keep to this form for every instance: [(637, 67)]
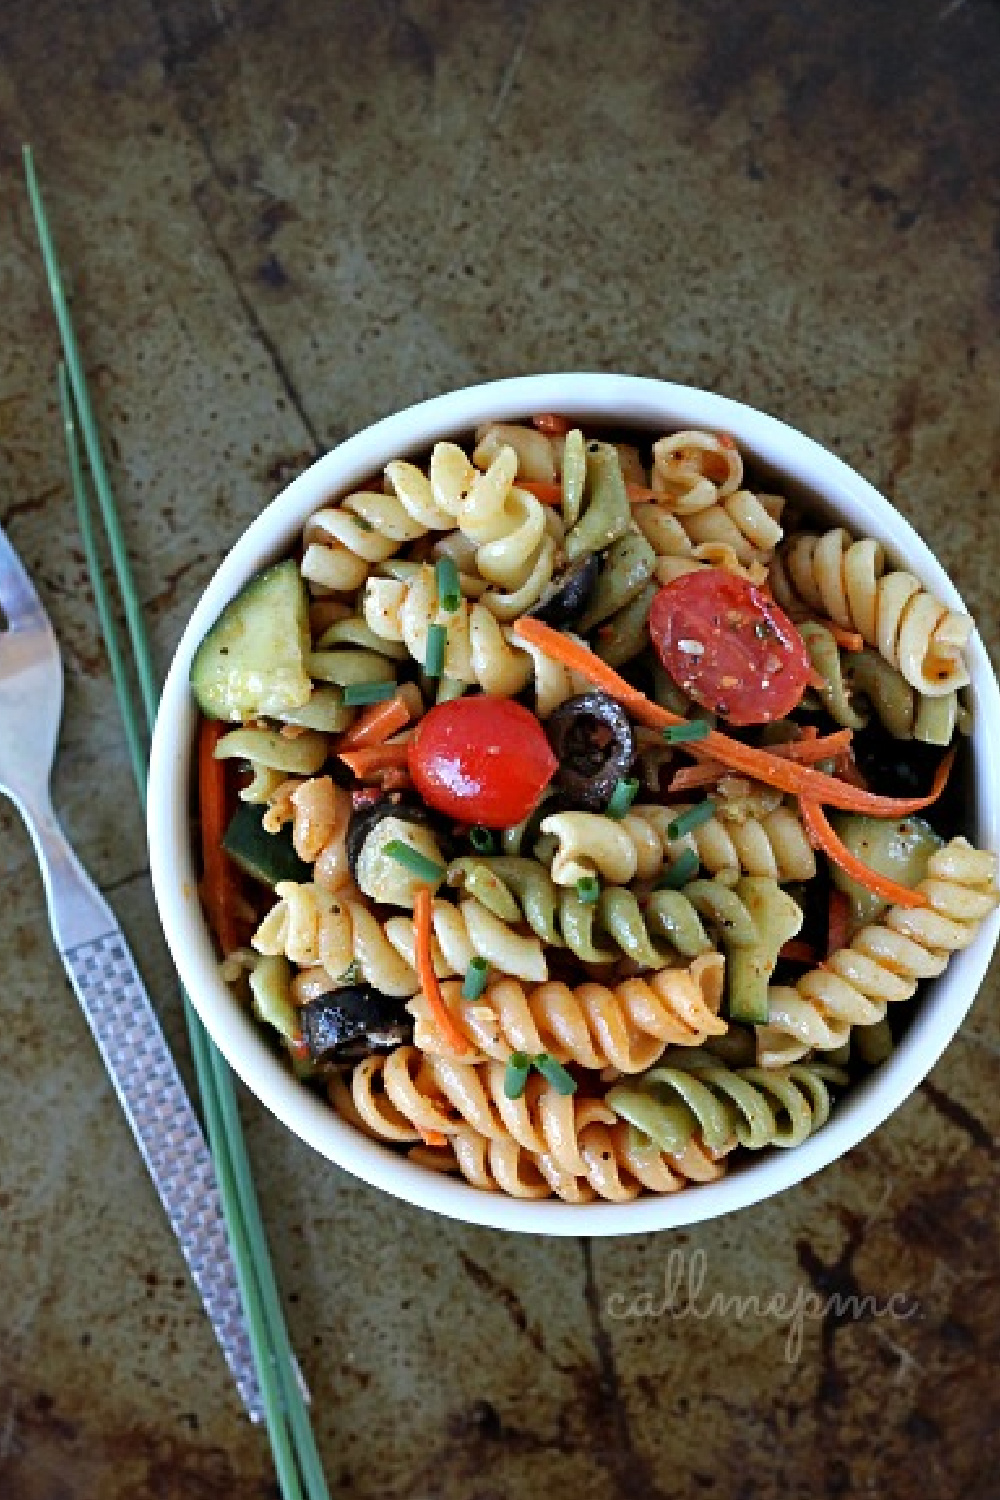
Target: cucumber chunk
[(269, 857), (253, 660)]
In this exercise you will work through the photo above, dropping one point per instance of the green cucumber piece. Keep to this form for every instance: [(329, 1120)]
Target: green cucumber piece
[(268, 857), (253, 660)]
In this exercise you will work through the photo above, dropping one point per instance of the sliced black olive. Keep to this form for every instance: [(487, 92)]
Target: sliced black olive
[(347, 1025), (594, 743), (567, 595), (366, 819)]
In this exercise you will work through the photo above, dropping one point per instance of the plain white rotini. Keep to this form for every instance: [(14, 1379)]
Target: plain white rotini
[(639, 845), (846, 580), (884, 961), (316, 929), (625, 1027)]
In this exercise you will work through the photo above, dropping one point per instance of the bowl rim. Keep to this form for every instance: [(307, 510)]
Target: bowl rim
[(634, 401)]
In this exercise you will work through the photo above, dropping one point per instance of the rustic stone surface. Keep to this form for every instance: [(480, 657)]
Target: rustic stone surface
[(284, 220)]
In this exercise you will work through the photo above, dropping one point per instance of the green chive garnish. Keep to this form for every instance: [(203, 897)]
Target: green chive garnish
[(554, 1073), (693, 818), (688, 732), (481, 839), (437, 640), (475, 979), (358, 694), (516, 1074), (449, 589), (683, 869), (622, 797), (362, 524), (405, 854), (588, 888)]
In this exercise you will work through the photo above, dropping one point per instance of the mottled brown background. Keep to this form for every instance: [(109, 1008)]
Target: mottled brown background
[(284, 220)]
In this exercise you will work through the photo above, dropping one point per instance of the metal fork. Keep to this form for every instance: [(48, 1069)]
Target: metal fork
[(103, 972)]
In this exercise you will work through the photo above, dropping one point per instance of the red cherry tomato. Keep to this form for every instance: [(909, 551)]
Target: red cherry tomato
[(729, 646), (481, 760)]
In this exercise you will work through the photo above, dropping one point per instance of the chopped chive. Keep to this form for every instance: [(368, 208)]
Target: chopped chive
[(622, 797), (362, 524), (405, 854), (683, 869), (588, 888), (691, 819), (481, 839), (554, 1073), (688, 732), (516, 1074), (475, 979), (437, 640), (358, 694), (449, 589)]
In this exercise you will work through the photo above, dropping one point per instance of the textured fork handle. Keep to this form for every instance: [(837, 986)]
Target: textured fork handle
[(145, 1077)]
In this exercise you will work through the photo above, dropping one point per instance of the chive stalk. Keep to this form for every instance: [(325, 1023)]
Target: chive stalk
[(481, 839), (516, 1074), (688, 732), (588, 888), (691, 819), (622, 797), (683, 869), (360, 694), (449, 589), (475, 979), (555, 1074), (413, 860), (437, 641)]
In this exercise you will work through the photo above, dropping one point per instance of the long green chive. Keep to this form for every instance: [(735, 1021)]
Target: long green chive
[(437, 640), (405, 854), (588, 888), (683, 869), (516, 1074), (449, 589), (481, 839), (693, 818), (475, 979), (358, 694), (688, 732), (622, 797), (363, 524), (554, 1073)]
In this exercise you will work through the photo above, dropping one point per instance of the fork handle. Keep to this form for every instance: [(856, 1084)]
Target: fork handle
[(141, 1067)]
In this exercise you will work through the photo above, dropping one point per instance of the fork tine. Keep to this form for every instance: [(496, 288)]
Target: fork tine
[(18, 599)]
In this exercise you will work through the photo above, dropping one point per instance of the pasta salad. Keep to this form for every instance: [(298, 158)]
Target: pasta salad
[(574, 815)]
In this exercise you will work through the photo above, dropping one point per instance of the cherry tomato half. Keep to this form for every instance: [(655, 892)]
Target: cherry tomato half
[(729, 646), (481, 760)]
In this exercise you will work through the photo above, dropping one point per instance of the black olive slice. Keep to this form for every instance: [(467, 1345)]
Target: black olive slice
[(567, 595), (348, 1024), (595, 745)]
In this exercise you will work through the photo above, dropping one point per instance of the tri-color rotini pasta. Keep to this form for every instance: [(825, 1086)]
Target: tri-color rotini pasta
[(585, 816)]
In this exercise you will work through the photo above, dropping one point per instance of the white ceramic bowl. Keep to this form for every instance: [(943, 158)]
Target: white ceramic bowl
[(630, 401)]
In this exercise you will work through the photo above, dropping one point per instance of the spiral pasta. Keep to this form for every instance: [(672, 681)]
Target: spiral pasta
[(846, 580), (318, 931), (624, 1027), (900, 708), (637, 846), (541, 1143), (883, 962)]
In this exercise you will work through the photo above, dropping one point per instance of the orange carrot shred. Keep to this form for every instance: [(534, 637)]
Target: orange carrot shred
[(432, 1137), (814, 748), (847, 640), (376, 724), (372, 758), (548, 422), (543, 490), (689, 778), (822, 836), (429, 984), (762, 765), (837, 922), (220, 887)]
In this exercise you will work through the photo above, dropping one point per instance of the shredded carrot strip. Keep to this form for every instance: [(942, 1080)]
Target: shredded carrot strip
[(806, 751), (837, 922), (425, 973), (432, 1137), (543, 490), (761, 765), (372, 758), (847, 640), (799, 951), (548, 422), (376, 724), (220, 887), (640, 494), (689, 778), (822, 836), (846, 769)]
